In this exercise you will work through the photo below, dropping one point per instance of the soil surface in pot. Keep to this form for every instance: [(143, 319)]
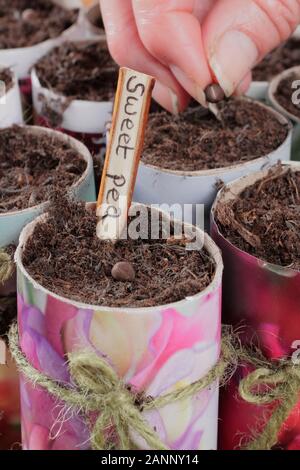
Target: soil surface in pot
[(195, 140), (265, 219), (65, 256), (6, 76), (284, 94), (80, 70), (25, 23), (282, 58), (32, 166)]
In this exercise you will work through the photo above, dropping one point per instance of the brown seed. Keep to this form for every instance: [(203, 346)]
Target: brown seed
[(214, 93), (123, 271)]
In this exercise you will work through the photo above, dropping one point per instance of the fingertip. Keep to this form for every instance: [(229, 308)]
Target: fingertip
[(244, 85), (168, 99)]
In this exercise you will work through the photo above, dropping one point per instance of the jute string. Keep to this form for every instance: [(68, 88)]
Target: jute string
[(6, 266), (98, 390)]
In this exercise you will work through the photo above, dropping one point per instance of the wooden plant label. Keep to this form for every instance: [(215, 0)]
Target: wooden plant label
[(124, 150)]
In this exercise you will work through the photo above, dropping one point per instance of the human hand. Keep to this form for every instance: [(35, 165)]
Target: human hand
[(189, 44)]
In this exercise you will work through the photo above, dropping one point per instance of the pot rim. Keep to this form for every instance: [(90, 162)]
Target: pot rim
[(219, 171), (242, 183), (209, 244), (76, 145)]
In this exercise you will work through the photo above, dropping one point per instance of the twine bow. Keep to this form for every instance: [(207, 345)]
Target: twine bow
[(6, 266), (98, 390)]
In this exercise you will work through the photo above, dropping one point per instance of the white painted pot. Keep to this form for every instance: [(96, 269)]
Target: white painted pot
[(10, 105), (159, 186)]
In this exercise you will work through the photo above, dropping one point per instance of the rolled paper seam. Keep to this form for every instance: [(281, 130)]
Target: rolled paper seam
[(265, 300), (159, 349), (11, 223), (85, 120), (159, 186), (259, 89), (10, 104)]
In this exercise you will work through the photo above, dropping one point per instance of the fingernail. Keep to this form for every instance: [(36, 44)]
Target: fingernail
[(166, 98), (189, 85), (232, 57)]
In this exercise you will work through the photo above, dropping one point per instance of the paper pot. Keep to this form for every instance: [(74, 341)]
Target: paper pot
[(11, 223), (94, 20), (259, 89), (158, 186), (274, 102), (265, 300), (10, 105), (154, 349), (84, 120)]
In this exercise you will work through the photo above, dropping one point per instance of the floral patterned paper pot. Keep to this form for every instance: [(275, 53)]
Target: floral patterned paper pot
[(10, 102), (286, 77), (11, 223), (154, 349), (156, 185), (263, 301)]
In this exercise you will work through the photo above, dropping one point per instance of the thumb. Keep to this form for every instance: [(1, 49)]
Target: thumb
[(238, 34)]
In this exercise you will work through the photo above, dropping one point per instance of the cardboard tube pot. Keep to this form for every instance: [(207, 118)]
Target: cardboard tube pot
[(11, 223), (274, 102), (263, 300), (10, 104), (155, 349), (259, 89), (159, 186), (82, 119)]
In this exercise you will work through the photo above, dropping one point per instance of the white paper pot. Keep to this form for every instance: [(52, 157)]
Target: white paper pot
[(156, 350), (259, 89), (159, 186), (81, 116), (11, 223), (10, 105), (21, 59), (92, 15), (274, 102)]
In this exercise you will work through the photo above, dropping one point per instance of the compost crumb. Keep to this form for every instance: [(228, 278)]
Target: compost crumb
[(196, 140), (65, 256), (265, 219), (284, 94), (6, 77), (24, 23), (79, 70), (282, 58), (33, 166)]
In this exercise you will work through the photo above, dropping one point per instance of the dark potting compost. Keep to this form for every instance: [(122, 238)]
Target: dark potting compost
[(264, 220), (65, 256), (32, 166), (79, 70), (284, 95), (195, 140), (6, 77), (24, 23), (282, 58)]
